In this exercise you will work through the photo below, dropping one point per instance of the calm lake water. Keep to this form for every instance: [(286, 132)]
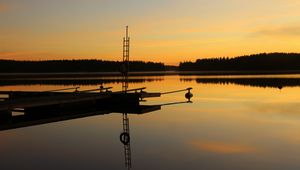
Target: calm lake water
[(234, 122)]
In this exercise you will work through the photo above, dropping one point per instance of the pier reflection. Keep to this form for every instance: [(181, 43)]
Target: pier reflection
[(24, 118), (20, 119), (27, 118)]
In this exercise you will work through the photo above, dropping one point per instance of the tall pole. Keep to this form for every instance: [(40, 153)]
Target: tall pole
[(126, 47), (125, 65), (126, 31)]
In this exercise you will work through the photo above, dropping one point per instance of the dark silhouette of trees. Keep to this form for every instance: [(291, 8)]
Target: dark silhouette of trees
[(60, 66), (257, 62)]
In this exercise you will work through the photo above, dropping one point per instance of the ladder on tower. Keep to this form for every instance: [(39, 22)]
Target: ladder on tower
[(126, 46)]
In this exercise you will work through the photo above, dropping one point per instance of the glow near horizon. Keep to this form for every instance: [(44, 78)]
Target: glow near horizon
[(166, 31)]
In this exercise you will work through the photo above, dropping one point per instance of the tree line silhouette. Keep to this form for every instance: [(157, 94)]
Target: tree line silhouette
[(57, 66), (256, 62)]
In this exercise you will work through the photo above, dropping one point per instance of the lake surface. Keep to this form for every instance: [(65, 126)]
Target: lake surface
[(234, 122)]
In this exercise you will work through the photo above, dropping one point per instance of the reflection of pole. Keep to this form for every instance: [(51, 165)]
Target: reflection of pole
[(125, 84), (127, 149)]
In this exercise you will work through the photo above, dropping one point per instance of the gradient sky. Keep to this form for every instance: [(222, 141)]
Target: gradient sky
[(169, 31)]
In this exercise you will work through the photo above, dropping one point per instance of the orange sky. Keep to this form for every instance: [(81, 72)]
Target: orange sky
[(167, 31)]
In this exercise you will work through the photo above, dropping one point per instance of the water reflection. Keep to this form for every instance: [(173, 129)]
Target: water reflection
[(27, 118), (227, 127), (20, 119), (246, 81), (221, 147)]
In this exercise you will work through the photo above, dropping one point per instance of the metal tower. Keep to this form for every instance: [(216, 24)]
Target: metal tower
[(126, 46), (125, 64)]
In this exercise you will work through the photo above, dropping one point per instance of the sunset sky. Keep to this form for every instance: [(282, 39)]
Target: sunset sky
[(168, 31)]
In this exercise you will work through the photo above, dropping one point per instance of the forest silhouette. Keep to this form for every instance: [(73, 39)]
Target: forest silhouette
[(58, 66), (256, 62)]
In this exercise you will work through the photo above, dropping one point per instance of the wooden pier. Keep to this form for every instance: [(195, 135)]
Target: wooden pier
[(50, 106), (104, 98)]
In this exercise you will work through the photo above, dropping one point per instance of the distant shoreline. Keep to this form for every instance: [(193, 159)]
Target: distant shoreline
[(10, 76)]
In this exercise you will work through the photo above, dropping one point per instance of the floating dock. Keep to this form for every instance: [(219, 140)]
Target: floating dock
[(28, 108), (17, 100)]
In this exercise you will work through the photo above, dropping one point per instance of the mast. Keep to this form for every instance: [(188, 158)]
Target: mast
[(126, 47), (125, 65)]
